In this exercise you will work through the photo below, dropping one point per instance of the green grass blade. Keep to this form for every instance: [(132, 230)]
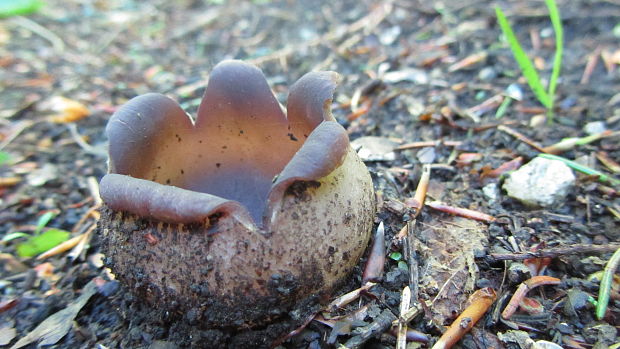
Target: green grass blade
[(605, 286), (43, 220), (526, 65), (556, 22), (10, 8)]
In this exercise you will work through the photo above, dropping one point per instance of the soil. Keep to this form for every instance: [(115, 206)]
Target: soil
[(411, 72)]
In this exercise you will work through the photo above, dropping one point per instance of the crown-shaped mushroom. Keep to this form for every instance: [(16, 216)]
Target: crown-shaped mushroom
[(244, 212)]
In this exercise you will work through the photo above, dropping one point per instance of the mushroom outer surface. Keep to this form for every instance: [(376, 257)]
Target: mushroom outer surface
[(241, 278), (180, 249)]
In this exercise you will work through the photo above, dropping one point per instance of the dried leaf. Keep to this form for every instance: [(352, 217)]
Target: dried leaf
[(6, 335), (56, 326), (66, 110)]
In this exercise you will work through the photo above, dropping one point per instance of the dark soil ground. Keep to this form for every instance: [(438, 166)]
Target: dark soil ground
[(411, 71)]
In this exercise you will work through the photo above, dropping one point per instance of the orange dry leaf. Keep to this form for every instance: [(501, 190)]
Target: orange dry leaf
[(479, 302), (45, 270), (67, 110)]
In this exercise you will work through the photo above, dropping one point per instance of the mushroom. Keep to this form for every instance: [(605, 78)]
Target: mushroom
[(244, 213)]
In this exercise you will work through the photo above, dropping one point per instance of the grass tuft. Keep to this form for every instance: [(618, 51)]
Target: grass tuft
[(545, 96)]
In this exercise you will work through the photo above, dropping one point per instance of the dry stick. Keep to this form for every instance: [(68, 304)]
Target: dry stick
[(556, 252), (479, 303), (405, 299), (590, 65), (380, 324), (348, 297), (38, 29), (522, 291), (424, 144), (462, 212), (22, 126), (412, 262), (417, 202), (408, 316), (608, 161), (520, 137), (63, 247)]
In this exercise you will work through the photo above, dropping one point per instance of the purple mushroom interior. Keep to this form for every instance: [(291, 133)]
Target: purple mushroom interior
[(240, 142)]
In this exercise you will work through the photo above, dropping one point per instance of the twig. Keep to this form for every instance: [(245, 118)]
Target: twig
[(520, 137), (409, 315), (38, 29), (417, 202), (380, 324), (604, 158), (590, 66), (570, 143), (463, 212), (77, 251), (348, 297), (63, 247), (424, 144), (412, 262), (20, 128), (93, 187), (479, 303), (80, 141), (405, 299), (556, 252)]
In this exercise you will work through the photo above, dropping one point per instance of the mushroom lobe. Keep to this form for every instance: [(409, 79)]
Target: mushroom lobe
[(244, 213)]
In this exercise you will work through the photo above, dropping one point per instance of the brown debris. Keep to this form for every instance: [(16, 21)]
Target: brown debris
[(523, 289), (479, 303), (463, 212)]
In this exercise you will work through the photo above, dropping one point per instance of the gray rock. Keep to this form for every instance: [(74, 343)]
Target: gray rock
[(491, 192), (371, 148), (541, 182), (595, 127)]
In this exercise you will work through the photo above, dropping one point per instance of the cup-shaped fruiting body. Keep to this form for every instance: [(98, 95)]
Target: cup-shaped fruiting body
[(244, 212)]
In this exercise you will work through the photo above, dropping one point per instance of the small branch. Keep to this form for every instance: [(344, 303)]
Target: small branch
[(555, 252), (462, 212), (41, 31), (405, 299), (380, 324), (424, 144), (479, 303), (521, 137)]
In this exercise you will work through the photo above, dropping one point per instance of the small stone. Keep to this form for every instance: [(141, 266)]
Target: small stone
[(537, 120), (546, 345), (491, 192), (595, 127), (518, 272), (577, 299), (42, 175), (371, 148), (487, 74), (426, 155), (600, 332), (414, 75), (541, 182)]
